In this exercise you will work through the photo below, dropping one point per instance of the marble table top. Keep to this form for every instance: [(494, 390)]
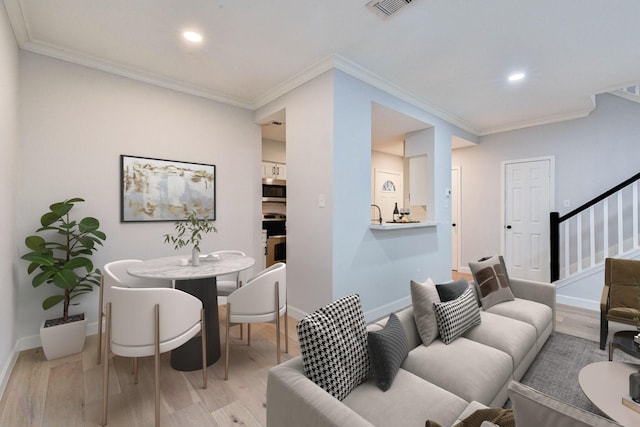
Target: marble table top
[(180, 268)]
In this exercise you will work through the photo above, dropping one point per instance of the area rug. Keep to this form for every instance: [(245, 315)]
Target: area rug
[(555, 369)]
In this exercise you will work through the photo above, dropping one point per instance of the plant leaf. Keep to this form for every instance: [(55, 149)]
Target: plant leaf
[(35, 243), (39, 258), (65, 279), (79, 262), (52, 301), (88, 224)]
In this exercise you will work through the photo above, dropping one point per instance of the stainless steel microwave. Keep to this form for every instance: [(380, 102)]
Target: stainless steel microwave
[(274, 190)]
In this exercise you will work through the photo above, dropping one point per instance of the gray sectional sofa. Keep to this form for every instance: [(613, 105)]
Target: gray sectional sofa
[(438, 382)]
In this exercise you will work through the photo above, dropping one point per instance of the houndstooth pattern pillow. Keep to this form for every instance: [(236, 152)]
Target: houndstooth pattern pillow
[(333, 343), (456, 317)]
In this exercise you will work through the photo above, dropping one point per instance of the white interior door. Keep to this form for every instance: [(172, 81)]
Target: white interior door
[(527, 205), (455, 218), (388, 192)]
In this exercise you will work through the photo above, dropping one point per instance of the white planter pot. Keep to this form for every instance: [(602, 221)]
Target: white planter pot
[(63, 340)]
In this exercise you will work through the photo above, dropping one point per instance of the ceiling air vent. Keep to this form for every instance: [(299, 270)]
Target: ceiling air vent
[(388, 7)]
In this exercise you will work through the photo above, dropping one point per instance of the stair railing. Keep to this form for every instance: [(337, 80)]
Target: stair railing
[(604, 226)]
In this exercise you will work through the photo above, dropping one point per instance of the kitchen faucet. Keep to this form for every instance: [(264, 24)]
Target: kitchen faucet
[(379, 213)]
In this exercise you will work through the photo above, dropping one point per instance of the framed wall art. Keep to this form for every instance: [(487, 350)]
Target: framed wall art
[(165, 190)]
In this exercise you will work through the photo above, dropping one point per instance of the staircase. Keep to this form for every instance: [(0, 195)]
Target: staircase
[(607, 226)]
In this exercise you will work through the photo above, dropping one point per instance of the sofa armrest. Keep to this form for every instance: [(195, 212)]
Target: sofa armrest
[(294, 400), (542, 292)]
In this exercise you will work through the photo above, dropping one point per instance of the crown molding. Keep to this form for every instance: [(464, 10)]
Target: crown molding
[(27, 43), (625, 95), (580, 114), (18, 23)]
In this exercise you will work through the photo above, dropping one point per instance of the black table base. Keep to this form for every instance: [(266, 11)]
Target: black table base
[(188, 357)]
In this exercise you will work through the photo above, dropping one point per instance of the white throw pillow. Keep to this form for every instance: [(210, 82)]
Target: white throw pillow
[(423, 296)]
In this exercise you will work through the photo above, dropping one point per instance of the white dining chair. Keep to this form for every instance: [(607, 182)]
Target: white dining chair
[(147, 322), (262, 299), (229, 282), (115, 274)]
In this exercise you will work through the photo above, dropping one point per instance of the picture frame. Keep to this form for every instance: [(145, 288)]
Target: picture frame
[(165, 190)]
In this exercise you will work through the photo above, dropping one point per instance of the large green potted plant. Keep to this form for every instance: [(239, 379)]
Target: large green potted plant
[(60, 256), (189, 233)]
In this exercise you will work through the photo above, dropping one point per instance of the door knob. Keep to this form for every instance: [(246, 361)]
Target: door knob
[(453, 225), (508, 227)]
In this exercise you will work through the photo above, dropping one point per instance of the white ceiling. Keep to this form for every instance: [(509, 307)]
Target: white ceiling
[(450, 57)]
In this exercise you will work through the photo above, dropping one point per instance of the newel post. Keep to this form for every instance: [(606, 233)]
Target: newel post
[(554, 250)]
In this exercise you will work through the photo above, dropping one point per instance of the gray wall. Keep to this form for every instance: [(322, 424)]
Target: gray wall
[(591, 155), (8, 169)]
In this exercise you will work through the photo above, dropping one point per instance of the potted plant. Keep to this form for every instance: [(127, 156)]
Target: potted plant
[(190, 233), (60, 256)]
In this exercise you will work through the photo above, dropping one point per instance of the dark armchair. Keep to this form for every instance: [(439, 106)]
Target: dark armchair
[(621, 294)]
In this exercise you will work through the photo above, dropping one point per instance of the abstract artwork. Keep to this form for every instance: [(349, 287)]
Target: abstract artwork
[(165, 190)]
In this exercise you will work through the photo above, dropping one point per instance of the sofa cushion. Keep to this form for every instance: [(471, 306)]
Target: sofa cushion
[(466, 368), (452, 290), (533, 313), (333, 343), (514, 337), (456, 317), (532, 408), (387, 350), (492, 281), (423, 296), (409, 402)]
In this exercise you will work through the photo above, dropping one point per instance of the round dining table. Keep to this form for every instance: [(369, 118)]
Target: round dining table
[(199, 281)]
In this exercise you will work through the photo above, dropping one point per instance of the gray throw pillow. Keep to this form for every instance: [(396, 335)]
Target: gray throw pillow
[(457, 316), (388, 348), (333, 343), (452, 290), (492, 281), (423, 296)]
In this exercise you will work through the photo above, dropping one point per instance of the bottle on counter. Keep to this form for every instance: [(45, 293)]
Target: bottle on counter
[(396, 213)]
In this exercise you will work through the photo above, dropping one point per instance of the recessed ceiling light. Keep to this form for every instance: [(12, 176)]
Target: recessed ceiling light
[(192, 36), (516, 76)]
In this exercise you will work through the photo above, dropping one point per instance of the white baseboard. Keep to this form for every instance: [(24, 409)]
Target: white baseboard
[(465, 270), (295, 312), (7, 369), (578, 302), (369, 316), (385, 310)]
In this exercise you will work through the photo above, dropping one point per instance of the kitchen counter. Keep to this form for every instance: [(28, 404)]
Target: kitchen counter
[(401, 225)]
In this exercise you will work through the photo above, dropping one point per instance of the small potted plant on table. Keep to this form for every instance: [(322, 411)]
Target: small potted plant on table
[(64, 262), (190, 233)]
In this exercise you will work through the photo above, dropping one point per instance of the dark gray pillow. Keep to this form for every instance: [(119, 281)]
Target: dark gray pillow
[(452, 290), (388, 348)]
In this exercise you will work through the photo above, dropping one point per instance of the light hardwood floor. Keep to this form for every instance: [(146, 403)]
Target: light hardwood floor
[(68, 392)]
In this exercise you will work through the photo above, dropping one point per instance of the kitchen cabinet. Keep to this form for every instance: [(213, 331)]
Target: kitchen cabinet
[(418, 181), (274, 170)]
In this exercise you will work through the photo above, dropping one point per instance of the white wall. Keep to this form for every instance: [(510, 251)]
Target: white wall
[(591, 155), (309, 111), (274, 151), (331, 251), (74, 124), (8, 180)]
